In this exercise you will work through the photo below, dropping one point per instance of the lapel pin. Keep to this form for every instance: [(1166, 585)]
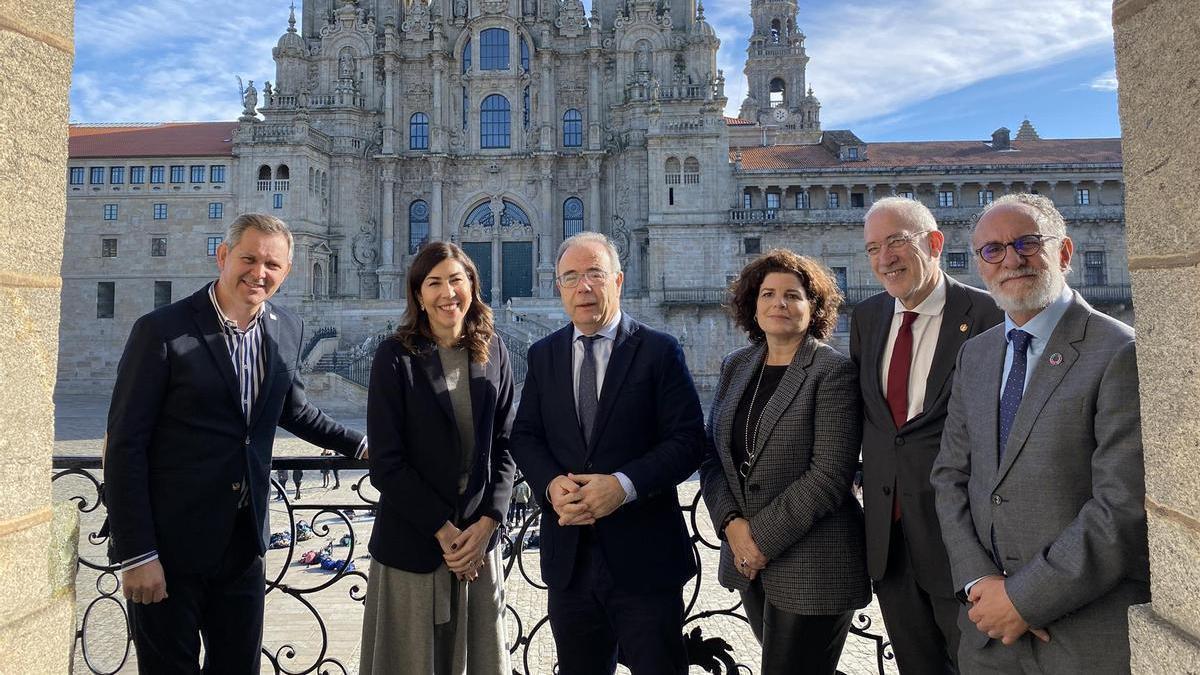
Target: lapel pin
[(1055, 359), (962, 327), (272, 316)]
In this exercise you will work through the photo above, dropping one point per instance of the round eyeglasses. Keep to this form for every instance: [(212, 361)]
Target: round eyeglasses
[(572, 279), (1029, 245)]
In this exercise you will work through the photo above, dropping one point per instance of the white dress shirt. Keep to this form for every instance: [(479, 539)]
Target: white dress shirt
[(925, 331), (602, 351)]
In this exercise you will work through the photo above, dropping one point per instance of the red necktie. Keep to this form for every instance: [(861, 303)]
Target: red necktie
[(897, 386)]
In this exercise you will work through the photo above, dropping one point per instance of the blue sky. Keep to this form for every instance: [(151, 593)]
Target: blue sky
[(910, 70)]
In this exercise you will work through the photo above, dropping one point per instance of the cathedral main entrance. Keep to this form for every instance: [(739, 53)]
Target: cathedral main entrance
[(502, 254)]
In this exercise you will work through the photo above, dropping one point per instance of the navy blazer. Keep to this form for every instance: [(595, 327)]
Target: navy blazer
[(178, 446), (648, 425), (415, 461)]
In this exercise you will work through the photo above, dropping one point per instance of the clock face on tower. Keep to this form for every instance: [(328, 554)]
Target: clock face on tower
[(781, 114)]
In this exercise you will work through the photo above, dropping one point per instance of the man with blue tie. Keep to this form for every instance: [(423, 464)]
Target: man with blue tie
[(1040, 478), (609, 424)]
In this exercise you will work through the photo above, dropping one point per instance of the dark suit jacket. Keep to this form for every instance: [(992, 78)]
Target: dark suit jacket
[(1066, 502), (649, 425), (901, 459), (797, 496), (415, 461), (178, 445)]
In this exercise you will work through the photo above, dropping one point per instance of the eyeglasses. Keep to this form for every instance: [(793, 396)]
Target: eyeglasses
[(1029, 245), (896, 242), (572, 279)]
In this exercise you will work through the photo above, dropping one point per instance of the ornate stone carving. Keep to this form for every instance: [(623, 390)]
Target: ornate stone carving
[(622, 238), (572, 19), (494, 6), (417, 22), (364, 247)]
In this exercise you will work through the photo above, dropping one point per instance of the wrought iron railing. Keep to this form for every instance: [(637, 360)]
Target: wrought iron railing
[(317, 336), (336, 528), (1109, 294), (716, 295)]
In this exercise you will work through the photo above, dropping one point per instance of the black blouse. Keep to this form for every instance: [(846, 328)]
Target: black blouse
[(747, 417)]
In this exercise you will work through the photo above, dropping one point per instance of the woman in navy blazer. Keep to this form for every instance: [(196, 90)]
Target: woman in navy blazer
[(439, 413)]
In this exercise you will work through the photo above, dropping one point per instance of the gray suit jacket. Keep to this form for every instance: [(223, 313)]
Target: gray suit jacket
[(797, 496), (1066, 502)]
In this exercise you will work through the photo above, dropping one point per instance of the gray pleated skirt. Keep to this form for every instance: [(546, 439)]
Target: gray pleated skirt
[(434, 624)]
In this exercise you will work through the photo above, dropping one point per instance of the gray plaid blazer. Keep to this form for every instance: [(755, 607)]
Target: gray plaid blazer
[(797, 496)]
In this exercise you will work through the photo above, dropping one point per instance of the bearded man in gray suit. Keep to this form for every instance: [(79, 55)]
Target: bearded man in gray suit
[(1039, 480)]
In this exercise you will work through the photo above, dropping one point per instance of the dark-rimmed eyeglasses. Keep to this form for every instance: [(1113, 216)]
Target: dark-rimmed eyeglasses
[(1029, 245), (572, 279), (896, 242)]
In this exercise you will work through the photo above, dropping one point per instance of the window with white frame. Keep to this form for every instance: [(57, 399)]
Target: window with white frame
[(986, 197), (945, 198), (110, 211), (1083, 196)]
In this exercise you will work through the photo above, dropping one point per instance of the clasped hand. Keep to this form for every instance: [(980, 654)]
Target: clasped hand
[(465, 551), (582, 499), (994, 614), (747, 557)]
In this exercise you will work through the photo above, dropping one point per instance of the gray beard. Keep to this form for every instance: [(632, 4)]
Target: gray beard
[(1047, 287)]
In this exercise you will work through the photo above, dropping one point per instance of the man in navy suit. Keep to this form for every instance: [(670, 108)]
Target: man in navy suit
[(609, 424), (200, 389)]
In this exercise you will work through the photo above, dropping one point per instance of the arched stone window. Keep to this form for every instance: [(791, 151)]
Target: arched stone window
[(481, 216), (466, 57), (572, 129), (778, 92), (493, 49), (418, 225), (572, 217), (524, 55), (418, 131), (776, 29), (264, 172), (691, 171), (282, 173), (643, 56), (495, 122), (673, 171)]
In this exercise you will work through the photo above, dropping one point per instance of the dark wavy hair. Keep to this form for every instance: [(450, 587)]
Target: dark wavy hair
[(478, 326), (819, 285)]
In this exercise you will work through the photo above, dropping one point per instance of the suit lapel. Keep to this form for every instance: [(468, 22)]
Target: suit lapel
[(951, 336), (563, 378), (881, 319), (431, 365), (742, 370), (987, 412), (1043, 381), (624, 348), (781, 399), (479, 387), (269, 325), (210, 327)]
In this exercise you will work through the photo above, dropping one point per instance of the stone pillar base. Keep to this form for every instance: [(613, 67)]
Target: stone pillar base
[(391, 283), (1156, 644)]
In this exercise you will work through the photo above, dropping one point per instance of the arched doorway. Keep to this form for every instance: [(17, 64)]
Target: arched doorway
[(503, 254)]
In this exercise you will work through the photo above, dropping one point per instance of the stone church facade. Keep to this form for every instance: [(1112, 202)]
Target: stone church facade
[(507, 125)]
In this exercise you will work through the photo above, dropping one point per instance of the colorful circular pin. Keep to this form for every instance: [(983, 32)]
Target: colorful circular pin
[(962, 327), (1055, 359)]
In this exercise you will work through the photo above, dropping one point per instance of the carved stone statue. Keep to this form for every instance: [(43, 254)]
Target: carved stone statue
[(267, 93), (250, 99), (461, 8), (345, 65)]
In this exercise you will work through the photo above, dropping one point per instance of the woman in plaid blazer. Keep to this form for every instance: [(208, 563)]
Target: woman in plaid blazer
[(784, 434)]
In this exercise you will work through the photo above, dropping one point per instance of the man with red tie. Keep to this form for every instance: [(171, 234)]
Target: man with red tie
[(904, 342)]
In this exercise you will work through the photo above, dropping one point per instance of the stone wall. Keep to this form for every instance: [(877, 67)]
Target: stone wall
[(37, 597), (1157, 65)]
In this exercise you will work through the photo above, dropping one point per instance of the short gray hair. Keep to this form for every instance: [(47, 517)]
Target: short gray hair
[(261, 222), (614, 257), (1045, 215), (912, 211)]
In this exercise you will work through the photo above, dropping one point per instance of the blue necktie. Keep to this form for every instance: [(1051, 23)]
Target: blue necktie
[(1014, 386), (585, 396)]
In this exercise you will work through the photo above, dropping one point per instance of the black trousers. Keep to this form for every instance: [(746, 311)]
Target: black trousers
[(593, 620), (923, 627), (225, 608), (804, 644)]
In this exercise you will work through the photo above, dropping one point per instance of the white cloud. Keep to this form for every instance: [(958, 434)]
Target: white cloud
[(1104, 81)]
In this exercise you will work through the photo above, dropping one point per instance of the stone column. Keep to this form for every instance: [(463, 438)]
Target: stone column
[(546, 101), (390, 73), (593, 206), (549, 231), (1158, 122), (438, 130), (593, 119), (497, 251), (37, 539), (390, 274), (437, 221)]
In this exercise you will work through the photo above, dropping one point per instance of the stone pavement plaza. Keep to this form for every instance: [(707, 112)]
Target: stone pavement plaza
[(290, 620)]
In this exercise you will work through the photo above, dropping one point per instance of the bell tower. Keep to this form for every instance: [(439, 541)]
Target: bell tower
[(778, 93)]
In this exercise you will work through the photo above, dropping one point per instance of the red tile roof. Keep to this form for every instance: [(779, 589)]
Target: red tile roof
[(934, 153), (737, 122), (171, 139)]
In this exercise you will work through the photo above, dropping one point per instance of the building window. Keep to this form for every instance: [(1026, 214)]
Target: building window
[(110, 211), (753, 245), (216, 210), (772, 200), (116, 175), (493, 49), (418, 225), (857, 200), (76, 175), (945, 198), (277, 202), (156, 174), (525, 109), (906, 195), (216, 173), (137, 175), (802, 200), (572, 129), (673, 171), (177, 173), (162, 294), (418, 131), (494, 120), (691, 171), (466, 57), (1095, 272), (106, 295), (956, 262), (572, 217), (108, 248), (466, 107), (198, 174), (1083, 196), (833, 200), (852, 153), (213, 243), (747, 199), (160, 211), (97, 177), (524, 56), (841, 277), (986, 197), (158, 246)]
